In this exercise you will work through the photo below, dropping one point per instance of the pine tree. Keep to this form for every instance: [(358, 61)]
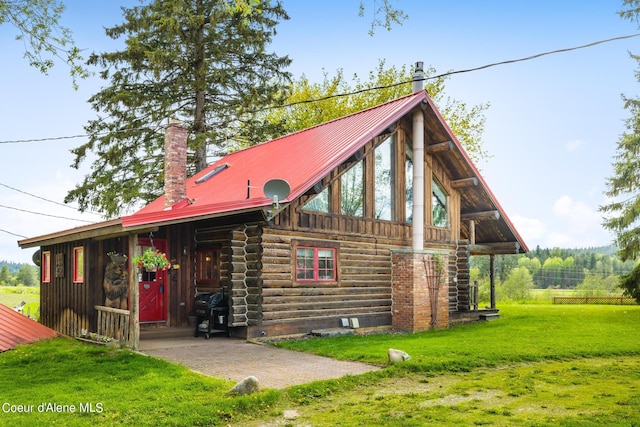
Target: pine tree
[(623, 187), (203, 62)]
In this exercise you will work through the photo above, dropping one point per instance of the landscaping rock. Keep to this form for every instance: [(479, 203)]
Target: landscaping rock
[(246, 386), (397, 355)]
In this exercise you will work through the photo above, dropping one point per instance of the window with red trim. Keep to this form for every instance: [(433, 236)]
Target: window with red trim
[(315, 264), (46, 267), (78, 265)]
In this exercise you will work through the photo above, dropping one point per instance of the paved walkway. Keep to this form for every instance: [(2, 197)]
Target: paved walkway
[(236, 359)]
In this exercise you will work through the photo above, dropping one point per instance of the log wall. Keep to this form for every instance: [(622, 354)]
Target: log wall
[(459, 290), (362, 288)]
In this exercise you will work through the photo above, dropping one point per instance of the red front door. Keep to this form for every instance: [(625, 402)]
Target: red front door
[(152, 286)]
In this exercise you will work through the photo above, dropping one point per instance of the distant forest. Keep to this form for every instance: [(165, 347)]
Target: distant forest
[(591, 271), (15, 274), (12, 266)]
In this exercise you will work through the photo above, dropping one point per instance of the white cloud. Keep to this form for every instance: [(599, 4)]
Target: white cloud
[(569, 224), (578, 215), (530, 229)]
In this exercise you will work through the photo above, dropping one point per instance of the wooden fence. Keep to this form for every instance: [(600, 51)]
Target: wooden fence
[(113, 323), (595, 300)]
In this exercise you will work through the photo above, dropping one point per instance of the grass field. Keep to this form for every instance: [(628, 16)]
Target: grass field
[(11, 296), (537, 365)]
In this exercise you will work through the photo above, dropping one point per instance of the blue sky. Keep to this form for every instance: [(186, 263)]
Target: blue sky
[(551, 130)]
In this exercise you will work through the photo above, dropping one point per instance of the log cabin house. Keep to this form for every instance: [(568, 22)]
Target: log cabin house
[(365, 221)]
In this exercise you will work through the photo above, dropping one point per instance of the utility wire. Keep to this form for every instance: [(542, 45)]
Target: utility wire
[(13, 234), (43, 214), (42, 198), (56, 138), (308, 101)]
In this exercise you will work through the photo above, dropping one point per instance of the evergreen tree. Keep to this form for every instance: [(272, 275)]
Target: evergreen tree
[(203, 62), (624, 186), (5, 276)]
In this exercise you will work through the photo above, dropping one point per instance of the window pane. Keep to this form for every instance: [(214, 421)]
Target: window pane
[(326, 270), (325, 253), (78, 265), (408, 171), (353, 191), (320, 203), (208, 265), (385, 180), (439, 202), (304, 264), (46, 267)]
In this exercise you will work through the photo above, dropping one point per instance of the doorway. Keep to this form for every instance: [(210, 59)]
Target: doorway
[(152, 286)]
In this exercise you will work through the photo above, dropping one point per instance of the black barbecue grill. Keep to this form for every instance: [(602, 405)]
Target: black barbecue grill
[(212, 313)]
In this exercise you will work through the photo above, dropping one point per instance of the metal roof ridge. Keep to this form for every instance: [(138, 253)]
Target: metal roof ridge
[(288, 135)]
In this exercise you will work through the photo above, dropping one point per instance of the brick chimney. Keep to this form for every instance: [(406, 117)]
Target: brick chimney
[(175, 163)]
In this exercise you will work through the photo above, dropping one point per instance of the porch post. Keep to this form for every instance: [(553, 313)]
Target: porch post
[(492, 280), (134, 296)]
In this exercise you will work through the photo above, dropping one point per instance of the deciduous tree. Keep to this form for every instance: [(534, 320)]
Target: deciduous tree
[(383, 84), (38, 26), (518, 284)]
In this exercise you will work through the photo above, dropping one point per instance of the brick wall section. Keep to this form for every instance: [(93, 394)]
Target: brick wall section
[(175, 163), (412, 299)]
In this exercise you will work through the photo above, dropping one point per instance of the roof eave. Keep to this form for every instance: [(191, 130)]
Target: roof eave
[(98, 229)]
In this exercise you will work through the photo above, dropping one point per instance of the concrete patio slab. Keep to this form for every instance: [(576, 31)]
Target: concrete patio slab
[(236, 359)]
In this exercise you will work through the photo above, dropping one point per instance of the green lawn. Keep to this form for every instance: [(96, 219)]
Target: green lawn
[(11, 296), (537, 365)]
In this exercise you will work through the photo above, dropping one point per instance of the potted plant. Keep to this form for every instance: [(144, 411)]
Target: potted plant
[(151, 260)]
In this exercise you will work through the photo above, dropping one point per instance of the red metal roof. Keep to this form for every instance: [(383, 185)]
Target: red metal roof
[(301, 159), (304, 158), (16, 328)]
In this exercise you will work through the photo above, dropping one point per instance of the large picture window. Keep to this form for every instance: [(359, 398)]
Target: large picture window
[(439, 204), (408, 182), (320, 203), (353, 191), (315, 264), (385, 182)]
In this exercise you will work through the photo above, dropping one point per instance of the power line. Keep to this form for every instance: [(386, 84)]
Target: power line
[(42, 198), (449, 73), (324, 98), (13, 234), (43, 214), (55, 138)]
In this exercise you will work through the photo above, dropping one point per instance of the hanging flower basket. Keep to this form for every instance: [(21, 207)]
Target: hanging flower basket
[(151, 260)]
